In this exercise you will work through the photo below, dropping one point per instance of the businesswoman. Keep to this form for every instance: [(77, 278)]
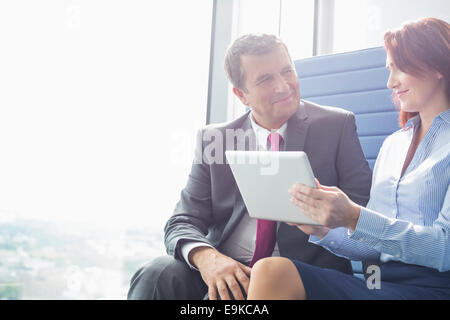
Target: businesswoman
[(405, 227)]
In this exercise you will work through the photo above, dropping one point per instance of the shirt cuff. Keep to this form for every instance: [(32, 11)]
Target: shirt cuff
[(332, 240), (187, 247), (370, 228)]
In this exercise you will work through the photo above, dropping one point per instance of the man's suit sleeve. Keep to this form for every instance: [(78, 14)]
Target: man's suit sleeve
[(193, 214), (355, 176)]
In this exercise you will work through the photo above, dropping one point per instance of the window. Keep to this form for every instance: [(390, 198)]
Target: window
[(297, 27), (360, 24), (342, 25), (99, 104), (292, 20)]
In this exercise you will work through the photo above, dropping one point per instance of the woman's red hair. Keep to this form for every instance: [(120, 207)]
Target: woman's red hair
[(419, 47)]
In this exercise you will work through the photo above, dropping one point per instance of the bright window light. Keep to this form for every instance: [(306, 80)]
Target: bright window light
[(99, 104)]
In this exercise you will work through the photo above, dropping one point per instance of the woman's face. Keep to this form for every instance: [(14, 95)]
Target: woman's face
[(413, 93)]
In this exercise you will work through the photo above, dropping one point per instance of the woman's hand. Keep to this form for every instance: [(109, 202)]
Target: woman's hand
[(328, 206)]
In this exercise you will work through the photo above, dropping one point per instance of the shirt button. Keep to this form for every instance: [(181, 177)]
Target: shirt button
[(332, 243), (361, 239), (397, 255)]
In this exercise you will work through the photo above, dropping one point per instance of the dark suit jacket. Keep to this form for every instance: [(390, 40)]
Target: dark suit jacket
[(211, 205)]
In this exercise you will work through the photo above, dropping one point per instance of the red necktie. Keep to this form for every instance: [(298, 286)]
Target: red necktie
[(266, 230)]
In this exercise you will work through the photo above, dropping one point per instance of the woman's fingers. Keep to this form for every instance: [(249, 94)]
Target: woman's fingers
[(322, 187), (312, 208), (315, 193), (308, 208), (300, 189), (318, 185), (328, 206), (305, 199)]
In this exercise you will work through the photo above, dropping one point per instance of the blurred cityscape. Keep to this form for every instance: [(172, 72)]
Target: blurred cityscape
[(55, 260)]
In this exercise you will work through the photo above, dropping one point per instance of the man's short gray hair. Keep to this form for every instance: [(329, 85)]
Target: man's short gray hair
[(249, 44)]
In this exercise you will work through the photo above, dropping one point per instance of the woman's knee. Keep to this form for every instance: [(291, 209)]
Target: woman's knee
[(270, 267), (278, 273)]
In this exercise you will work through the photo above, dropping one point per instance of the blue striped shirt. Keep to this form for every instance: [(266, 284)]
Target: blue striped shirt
[(408, 217)]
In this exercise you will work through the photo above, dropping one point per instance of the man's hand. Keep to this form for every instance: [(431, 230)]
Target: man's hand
[(221, 273)]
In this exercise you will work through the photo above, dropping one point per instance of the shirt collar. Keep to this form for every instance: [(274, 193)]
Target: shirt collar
[(262, 133), (445, 115), (413, 122)]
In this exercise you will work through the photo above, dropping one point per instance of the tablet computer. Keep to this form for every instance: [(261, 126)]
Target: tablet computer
[(264, 177)]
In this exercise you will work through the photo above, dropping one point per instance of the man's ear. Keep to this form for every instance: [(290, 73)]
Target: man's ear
[(241, 95)]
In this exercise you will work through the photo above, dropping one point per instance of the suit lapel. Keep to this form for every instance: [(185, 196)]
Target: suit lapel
[(245, 138), (297, 129)]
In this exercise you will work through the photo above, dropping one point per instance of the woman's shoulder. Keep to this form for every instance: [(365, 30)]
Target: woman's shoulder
[(400, 136)]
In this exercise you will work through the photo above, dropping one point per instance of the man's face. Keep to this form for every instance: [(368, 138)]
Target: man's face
[(272, 87)]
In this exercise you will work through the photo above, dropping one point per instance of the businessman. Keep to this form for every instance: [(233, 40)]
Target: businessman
[(210, 239)]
